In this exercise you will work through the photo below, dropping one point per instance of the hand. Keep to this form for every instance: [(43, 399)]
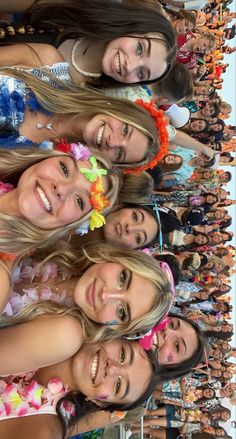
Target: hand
[(201, 71), (208, 152)]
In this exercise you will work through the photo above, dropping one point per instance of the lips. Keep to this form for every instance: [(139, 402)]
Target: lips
[(91, 294), (44, 201)]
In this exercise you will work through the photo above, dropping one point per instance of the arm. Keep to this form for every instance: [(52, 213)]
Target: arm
[(100, 419), (28, 427), (184, 140), (5, 285), (38, 343), (28, 55)]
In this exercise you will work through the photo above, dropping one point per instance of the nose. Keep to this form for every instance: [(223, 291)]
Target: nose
[(112, 368), (127, 229), (62, 190), (109, 295), (131, 64)]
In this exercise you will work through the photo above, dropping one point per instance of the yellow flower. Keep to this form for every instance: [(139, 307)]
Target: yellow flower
[(96, 220)]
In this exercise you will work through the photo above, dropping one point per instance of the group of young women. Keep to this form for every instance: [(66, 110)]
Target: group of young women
[(75, 318)]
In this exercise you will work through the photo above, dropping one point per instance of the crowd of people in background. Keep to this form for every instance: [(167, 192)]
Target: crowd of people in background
[(156, 191)]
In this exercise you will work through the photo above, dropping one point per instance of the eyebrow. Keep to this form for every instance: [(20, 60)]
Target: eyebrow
[(143, 220), (185, 346), (127, 304), (75, 166), (128, 138), (182, 339), (131, 360), (149, 47)]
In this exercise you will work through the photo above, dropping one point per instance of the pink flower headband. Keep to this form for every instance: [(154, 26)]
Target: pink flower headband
[(97, 200), (146, 340)]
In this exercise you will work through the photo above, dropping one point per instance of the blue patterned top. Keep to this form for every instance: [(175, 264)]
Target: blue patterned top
[(13, 93)]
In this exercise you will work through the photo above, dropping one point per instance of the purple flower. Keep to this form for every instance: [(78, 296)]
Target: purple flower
[(80, 152)]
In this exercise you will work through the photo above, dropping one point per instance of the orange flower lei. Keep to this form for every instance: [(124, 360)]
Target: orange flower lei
[(7, 257), (160, 122), (98, 201)]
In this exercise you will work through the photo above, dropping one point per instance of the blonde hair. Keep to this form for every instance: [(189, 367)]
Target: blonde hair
[(74, 263), (18, 235), (75, 101)]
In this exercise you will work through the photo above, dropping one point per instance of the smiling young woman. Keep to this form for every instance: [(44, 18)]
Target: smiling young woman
[(103, 42), (48, 195), (46, 114), (97, 375)]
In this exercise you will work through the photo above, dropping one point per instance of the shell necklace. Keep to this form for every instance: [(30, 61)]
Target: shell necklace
[(76, 66)]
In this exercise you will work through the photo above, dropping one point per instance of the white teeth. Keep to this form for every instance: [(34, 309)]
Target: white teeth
[(155, 341), (100, 134), (94, 367), (117, 63), (44, 199)]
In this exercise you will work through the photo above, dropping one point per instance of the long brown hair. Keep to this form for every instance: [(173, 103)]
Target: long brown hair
[(104, 20)]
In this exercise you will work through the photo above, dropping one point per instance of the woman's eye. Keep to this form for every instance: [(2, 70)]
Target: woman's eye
[(171, 324), (177, 347), (139, 49), (80, 202), (135, 217), (125, 129), (122, 356), (122, 278), (140, 74), (118, 385), (119, 154), (138, 238), (121, 313), (64, 169)]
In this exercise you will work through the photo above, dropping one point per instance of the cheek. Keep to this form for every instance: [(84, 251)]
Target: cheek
[(170, 357), (107, 314)]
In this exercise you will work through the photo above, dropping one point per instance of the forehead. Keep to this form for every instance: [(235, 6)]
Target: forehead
[(136, 145), (79, 165), (139, 303)]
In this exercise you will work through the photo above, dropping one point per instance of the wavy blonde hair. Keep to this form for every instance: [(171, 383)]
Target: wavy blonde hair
[(75, 263), (75, 101), (18, 235)]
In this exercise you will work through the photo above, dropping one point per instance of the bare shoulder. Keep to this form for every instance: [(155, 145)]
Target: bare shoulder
[(28, 427), (46, 53), (66, 331)]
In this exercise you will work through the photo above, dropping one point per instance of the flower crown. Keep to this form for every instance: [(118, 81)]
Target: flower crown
[(160, 122), (94, 175), (147, 339)]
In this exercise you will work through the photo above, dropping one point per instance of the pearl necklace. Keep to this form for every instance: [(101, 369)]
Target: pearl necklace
[(76, 66)]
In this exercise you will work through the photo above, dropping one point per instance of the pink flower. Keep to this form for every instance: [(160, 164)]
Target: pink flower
[(27, 273), (46, 294), (5, 187), (48, 271), (2, 408), (55, 386), (33, 394), (13, 401)]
